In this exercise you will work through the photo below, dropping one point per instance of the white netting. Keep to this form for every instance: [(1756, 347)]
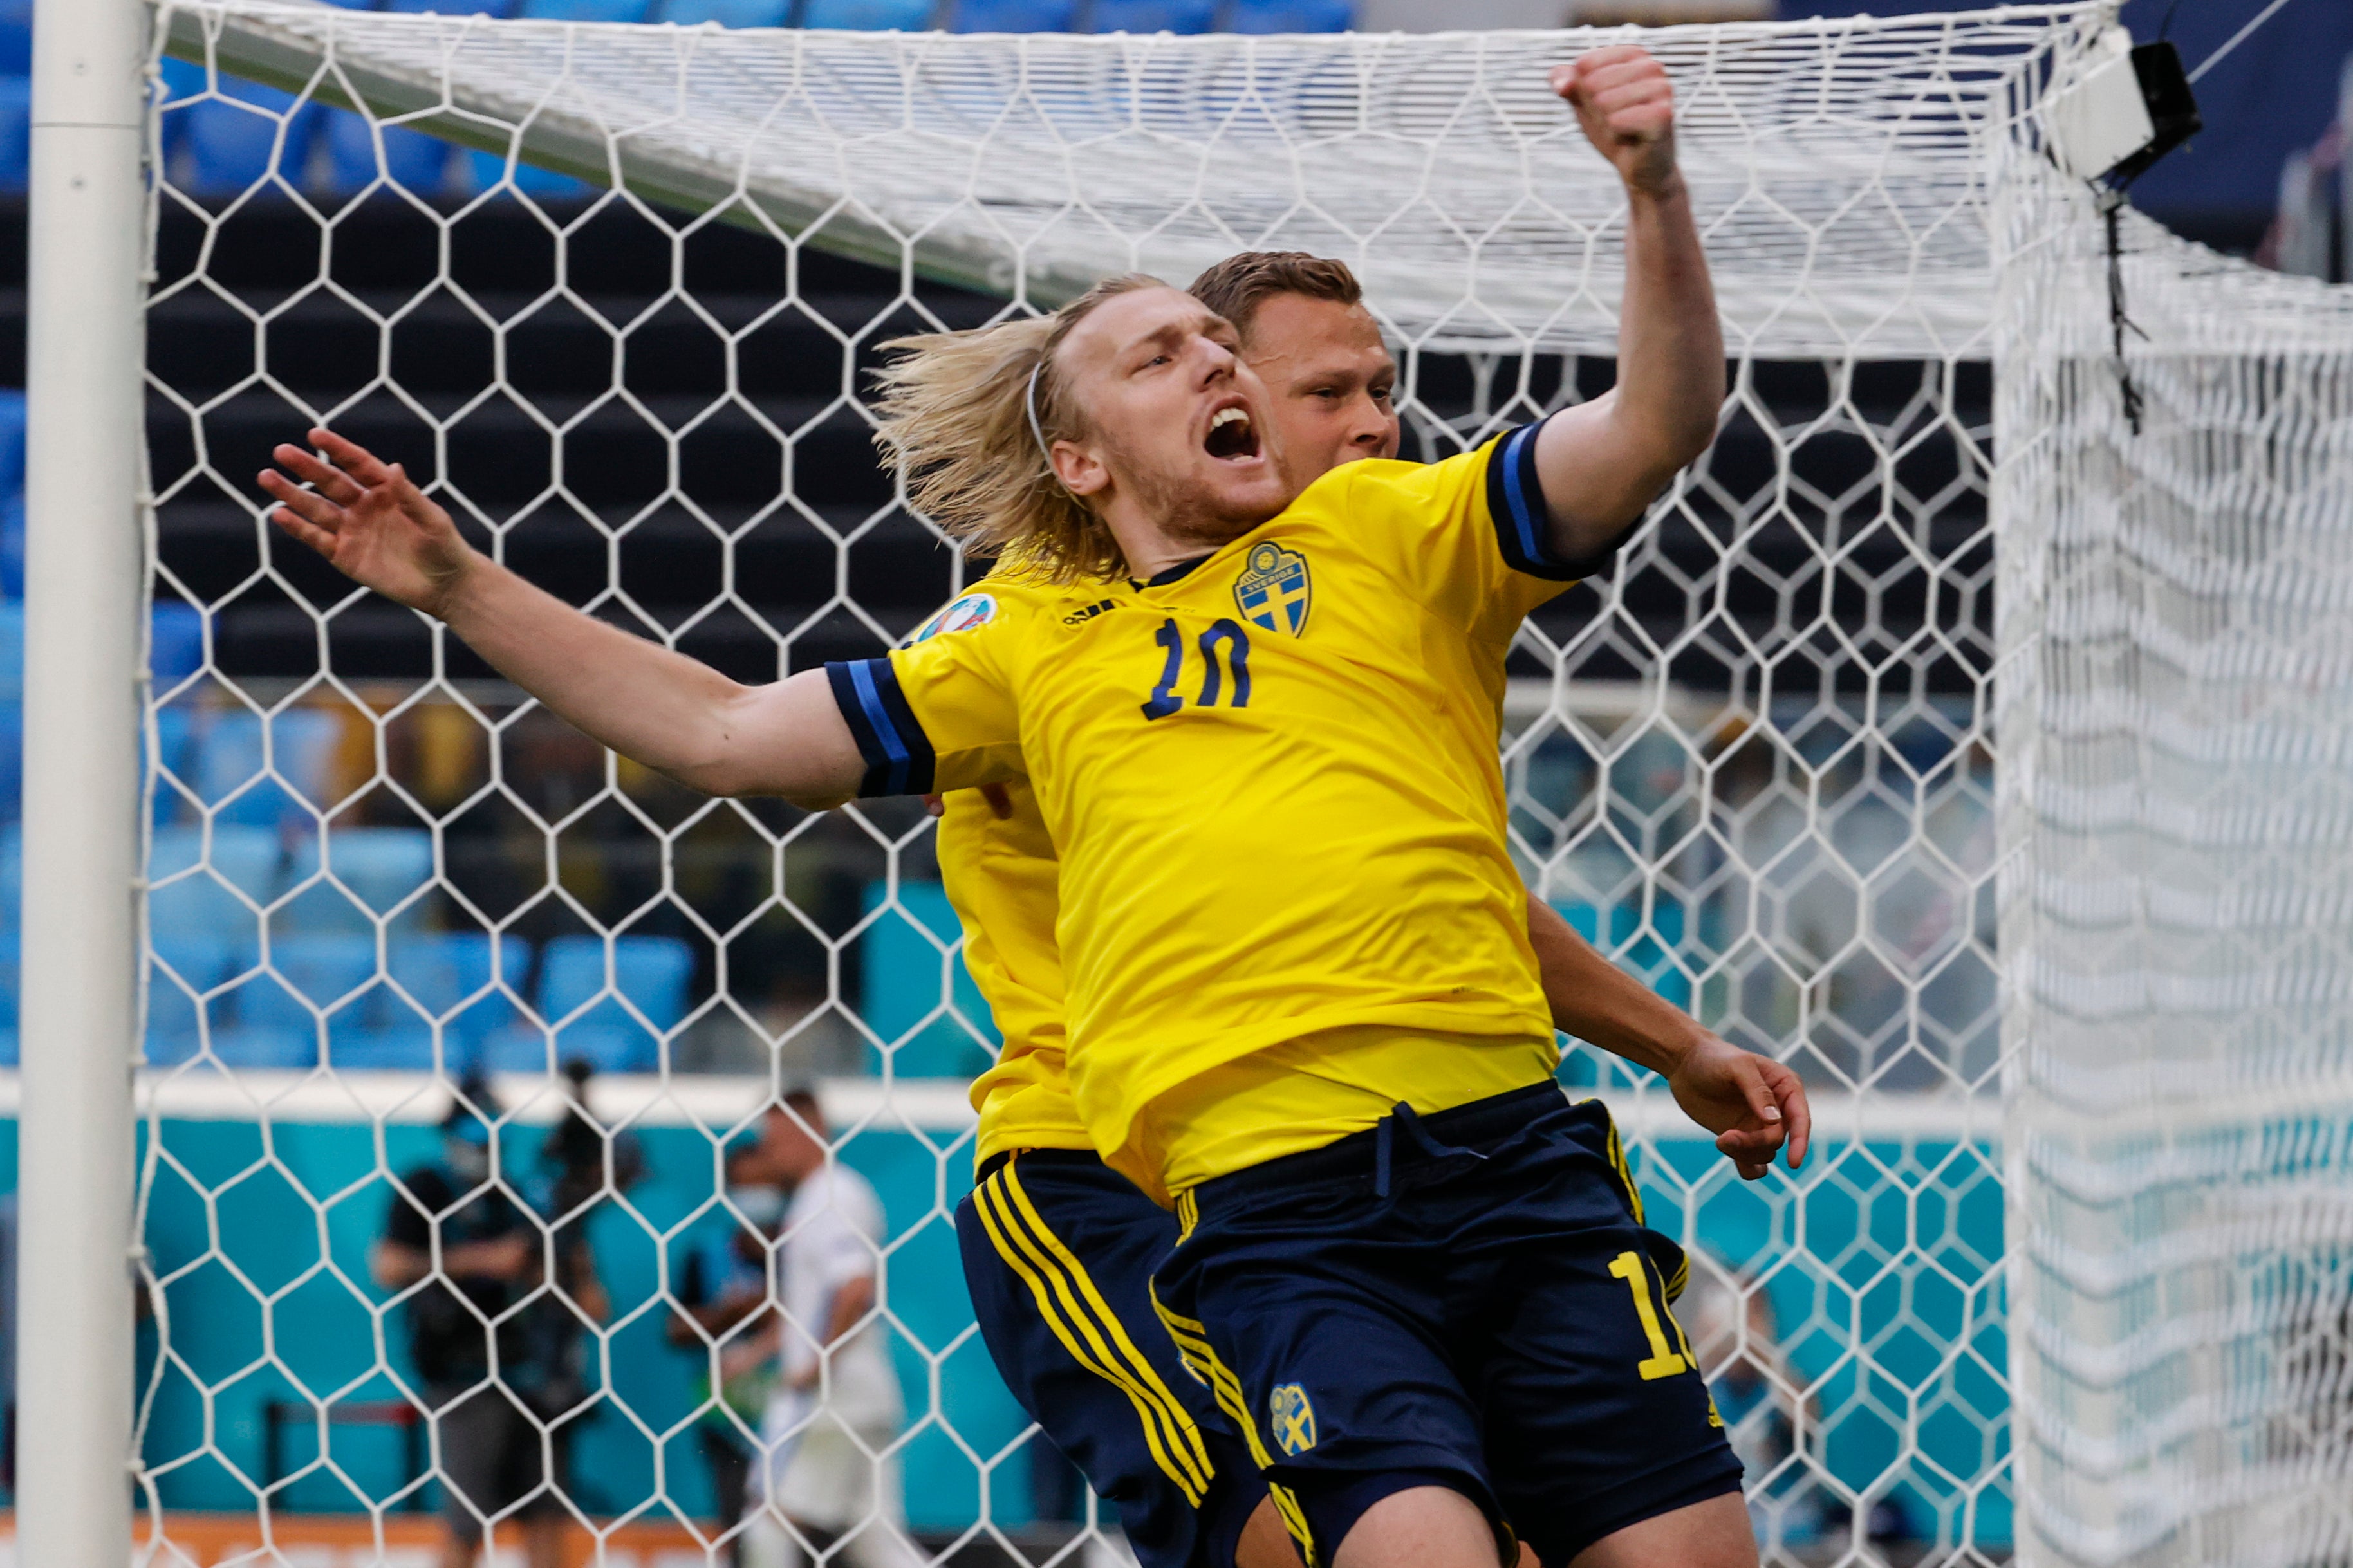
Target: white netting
[(2180, 1159), (1758, 764)]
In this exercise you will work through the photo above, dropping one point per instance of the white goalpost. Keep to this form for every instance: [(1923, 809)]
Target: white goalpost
[(1968, 729)]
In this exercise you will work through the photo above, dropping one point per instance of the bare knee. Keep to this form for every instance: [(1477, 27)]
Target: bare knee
[(1711, 1534), (1265, 1542), (1420, 1527)]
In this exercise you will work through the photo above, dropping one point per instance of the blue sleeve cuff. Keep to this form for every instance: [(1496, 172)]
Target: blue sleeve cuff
[(899, 756), (1515, 499)]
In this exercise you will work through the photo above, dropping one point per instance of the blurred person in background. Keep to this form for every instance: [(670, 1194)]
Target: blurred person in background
[(826, 1481), (723, 1290), (463, 1253)]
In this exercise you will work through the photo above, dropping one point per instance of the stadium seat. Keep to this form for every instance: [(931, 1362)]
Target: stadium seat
[(11, 953), (242, 134), (175, 647), (652, 972), (15, 132), (306, 973), (379, 866), (12, 651), (233, 776), (871, 16), (1153, 16), (413, 160), (1291, 16), (1015, 16), (729, 13), (243, 858), (180, 969), (12, 874), (584, 10), (278, 1048), (17, 37), (447, 975)]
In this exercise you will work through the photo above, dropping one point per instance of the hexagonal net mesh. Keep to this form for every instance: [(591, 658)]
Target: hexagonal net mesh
[(611, 291)]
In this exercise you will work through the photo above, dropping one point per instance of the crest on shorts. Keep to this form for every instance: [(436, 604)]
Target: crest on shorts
[(1274, 591), (961, 614), (1294, 1419)]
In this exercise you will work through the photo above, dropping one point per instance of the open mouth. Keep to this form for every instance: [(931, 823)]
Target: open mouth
[(1232, 438)]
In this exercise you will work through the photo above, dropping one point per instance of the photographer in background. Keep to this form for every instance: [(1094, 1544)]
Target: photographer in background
[(463, 1253), (723, 1290)]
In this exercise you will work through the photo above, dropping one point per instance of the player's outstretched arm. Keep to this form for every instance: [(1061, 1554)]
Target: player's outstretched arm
[(670, 712), (1603, 462), (1754, 1104)]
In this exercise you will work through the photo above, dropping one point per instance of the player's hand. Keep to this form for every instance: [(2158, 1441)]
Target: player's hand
[(370, 521), (1753, 1103), (1627, 106)]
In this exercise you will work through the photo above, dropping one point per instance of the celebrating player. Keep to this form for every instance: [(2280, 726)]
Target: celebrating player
[(1301, 999), (1058, 1248)]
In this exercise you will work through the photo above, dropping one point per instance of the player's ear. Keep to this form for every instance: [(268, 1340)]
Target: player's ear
[(1080, 470)]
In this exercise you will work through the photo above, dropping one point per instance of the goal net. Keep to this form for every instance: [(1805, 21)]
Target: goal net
[(1942, 734)]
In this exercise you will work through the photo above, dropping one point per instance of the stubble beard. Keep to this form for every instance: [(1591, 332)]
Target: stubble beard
[(1187, 517)]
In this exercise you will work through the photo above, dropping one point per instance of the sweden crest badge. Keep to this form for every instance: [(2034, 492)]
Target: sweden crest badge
[(1274, 591), (1294, 1419)]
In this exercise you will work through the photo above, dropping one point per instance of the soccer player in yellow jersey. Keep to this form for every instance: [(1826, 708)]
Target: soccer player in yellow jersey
[(1301, 1000), (1058, 1250)]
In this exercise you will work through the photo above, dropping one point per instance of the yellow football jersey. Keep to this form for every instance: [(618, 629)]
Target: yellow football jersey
[(1274, 779), (1000, 874)]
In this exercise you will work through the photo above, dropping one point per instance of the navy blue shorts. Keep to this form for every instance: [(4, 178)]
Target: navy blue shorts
[(1467, 1299), (1058, 1251)]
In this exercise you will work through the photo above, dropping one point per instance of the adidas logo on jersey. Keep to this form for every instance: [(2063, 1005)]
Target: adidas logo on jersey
[(1089, 612)]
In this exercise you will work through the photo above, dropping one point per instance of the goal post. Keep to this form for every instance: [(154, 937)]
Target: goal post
[(84, 574), (1933, 736)]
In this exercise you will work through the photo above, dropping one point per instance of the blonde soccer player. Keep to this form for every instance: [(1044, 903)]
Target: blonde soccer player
[(1058, 1248), (1300, 1002)]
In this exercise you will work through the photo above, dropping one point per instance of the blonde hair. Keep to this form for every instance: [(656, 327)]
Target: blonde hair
[(956, 411)]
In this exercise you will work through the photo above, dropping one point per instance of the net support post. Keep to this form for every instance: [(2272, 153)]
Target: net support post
[(85, 456)]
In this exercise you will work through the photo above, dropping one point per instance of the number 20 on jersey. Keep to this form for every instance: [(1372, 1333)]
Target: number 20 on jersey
[(1225, 669)]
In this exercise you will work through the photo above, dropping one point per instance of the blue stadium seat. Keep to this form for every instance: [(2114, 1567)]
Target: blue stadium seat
[(1015, 16), (15, 38), (16, 133), (12, 651), (282, 1048), (230, 764), (306, 972), (379, 866), (584, 10), (413, 160), (175, 647), (870, 16), (729, 13), (12, 440), (1292, 16), (10, 970), (652, 972), (12, 874), (1153, 16), (243, 133), (12, 760), (181, 969), (243, 858), (11, 548), (447, 974)]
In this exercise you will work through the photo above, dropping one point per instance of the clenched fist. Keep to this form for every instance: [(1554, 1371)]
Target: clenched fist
[(1627, 106)]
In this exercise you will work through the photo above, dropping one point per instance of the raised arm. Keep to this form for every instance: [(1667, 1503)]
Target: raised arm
[(1602, 463), (666, 711), (1754, 1104)]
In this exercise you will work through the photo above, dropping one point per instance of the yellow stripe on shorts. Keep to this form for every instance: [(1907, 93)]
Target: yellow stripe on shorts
[(1083, 1321), (1193, 1344)]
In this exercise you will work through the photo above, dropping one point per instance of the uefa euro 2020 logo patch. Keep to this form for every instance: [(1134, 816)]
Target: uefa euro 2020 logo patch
[(1294, 1419), (972, 610), (1274, 591)]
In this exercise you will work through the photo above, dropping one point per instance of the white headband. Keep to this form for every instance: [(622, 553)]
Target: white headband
[(1037, 431)]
